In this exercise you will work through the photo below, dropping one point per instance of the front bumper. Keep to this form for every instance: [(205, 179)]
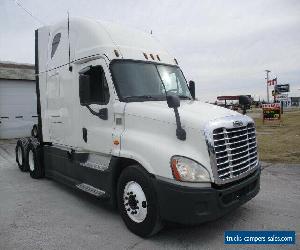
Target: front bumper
[(189, 205)]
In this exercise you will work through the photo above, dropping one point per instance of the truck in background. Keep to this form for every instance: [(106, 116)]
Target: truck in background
[(117, 119)]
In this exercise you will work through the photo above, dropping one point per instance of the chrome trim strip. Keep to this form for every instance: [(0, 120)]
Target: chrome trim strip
[(230, 132), (230, 143), (93, 165), (97, 161), (234, 153), (90, 189), (184, 184), (236, 159), (256, 162)]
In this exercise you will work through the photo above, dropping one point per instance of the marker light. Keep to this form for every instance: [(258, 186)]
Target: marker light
[(175, 61), (187, 170), (152, 56), (158, 58), (116, 142), (116, 53), (145, 55)]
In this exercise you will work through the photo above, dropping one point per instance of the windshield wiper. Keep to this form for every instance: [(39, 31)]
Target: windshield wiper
[(184, 97), (140, 97)]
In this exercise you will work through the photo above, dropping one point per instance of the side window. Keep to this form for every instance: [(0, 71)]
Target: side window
[(55, 43), (171, 82), (93, 87)]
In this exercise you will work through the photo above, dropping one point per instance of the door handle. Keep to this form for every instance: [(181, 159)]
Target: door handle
[(84, 134)]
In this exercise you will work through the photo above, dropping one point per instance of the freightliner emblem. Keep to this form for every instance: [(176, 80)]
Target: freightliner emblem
[(237, 124)]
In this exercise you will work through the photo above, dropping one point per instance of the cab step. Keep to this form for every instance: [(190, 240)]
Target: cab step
[(92, 190)]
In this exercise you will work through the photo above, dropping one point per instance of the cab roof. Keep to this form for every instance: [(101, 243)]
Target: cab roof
[(90, 37)]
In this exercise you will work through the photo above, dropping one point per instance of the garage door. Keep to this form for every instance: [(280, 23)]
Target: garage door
[(17, 108)]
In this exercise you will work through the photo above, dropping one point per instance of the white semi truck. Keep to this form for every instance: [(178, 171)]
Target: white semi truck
[(118, 120)]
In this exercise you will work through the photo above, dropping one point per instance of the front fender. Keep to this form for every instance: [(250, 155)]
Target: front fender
[(152, 143)]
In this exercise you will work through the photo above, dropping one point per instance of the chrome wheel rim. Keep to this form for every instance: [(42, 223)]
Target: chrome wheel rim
[(20, 158), (135, 202), (31, 160), (35, 131)]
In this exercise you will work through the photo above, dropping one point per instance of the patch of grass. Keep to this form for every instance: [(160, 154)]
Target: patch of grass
[(280, 143)]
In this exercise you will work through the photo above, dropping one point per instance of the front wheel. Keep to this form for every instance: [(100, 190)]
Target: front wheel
[(137, 202)]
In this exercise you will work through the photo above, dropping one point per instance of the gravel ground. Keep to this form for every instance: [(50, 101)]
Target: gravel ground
[(42, 214)]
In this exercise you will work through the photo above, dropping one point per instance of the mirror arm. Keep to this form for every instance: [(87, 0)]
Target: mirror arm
[(102, 114), (91, 110), (174, 102), (180, 132)]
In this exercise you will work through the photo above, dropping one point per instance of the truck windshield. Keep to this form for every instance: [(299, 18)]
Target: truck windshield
[(138, 81)]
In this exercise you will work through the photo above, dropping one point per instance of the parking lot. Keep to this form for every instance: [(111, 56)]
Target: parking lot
[(42, 214)]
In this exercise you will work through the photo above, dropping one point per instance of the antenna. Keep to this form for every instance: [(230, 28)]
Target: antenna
[(29, 13), (70, 67)]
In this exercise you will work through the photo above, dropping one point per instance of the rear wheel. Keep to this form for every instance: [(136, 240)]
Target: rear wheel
[(36, 169), (21, 148), (137, 202)]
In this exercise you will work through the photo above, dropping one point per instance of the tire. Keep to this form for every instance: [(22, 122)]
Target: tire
[(21, 155), (137, 202), (35, 167), (34, 131)]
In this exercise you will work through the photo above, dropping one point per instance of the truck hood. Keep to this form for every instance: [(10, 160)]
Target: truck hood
[(193, 114)]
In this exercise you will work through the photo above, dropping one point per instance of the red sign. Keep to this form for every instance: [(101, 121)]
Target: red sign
[(271, 112), (271, 105), (272, 82)]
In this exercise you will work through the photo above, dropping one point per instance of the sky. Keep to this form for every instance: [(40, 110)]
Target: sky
[(224, 46)]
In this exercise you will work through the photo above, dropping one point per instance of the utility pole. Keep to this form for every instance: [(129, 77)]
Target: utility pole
[(267, 72)]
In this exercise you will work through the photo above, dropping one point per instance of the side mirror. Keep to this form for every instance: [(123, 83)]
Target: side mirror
[(245, 100), (84, 88), (173, 101), (192, 89)]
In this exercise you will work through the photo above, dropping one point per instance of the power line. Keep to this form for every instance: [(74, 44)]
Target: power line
[(28, 12)]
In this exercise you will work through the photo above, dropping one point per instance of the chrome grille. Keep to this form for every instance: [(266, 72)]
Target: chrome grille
[(235, 150)]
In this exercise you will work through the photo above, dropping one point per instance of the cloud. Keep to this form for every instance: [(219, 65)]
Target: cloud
[(224, 46)]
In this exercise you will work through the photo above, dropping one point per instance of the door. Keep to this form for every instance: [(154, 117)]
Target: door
[(96, 114), (55, 107)]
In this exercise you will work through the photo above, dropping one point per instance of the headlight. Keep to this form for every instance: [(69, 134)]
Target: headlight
[(185, 169)]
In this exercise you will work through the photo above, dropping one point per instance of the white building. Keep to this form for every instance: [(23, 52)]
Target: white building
[(17, 100)]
